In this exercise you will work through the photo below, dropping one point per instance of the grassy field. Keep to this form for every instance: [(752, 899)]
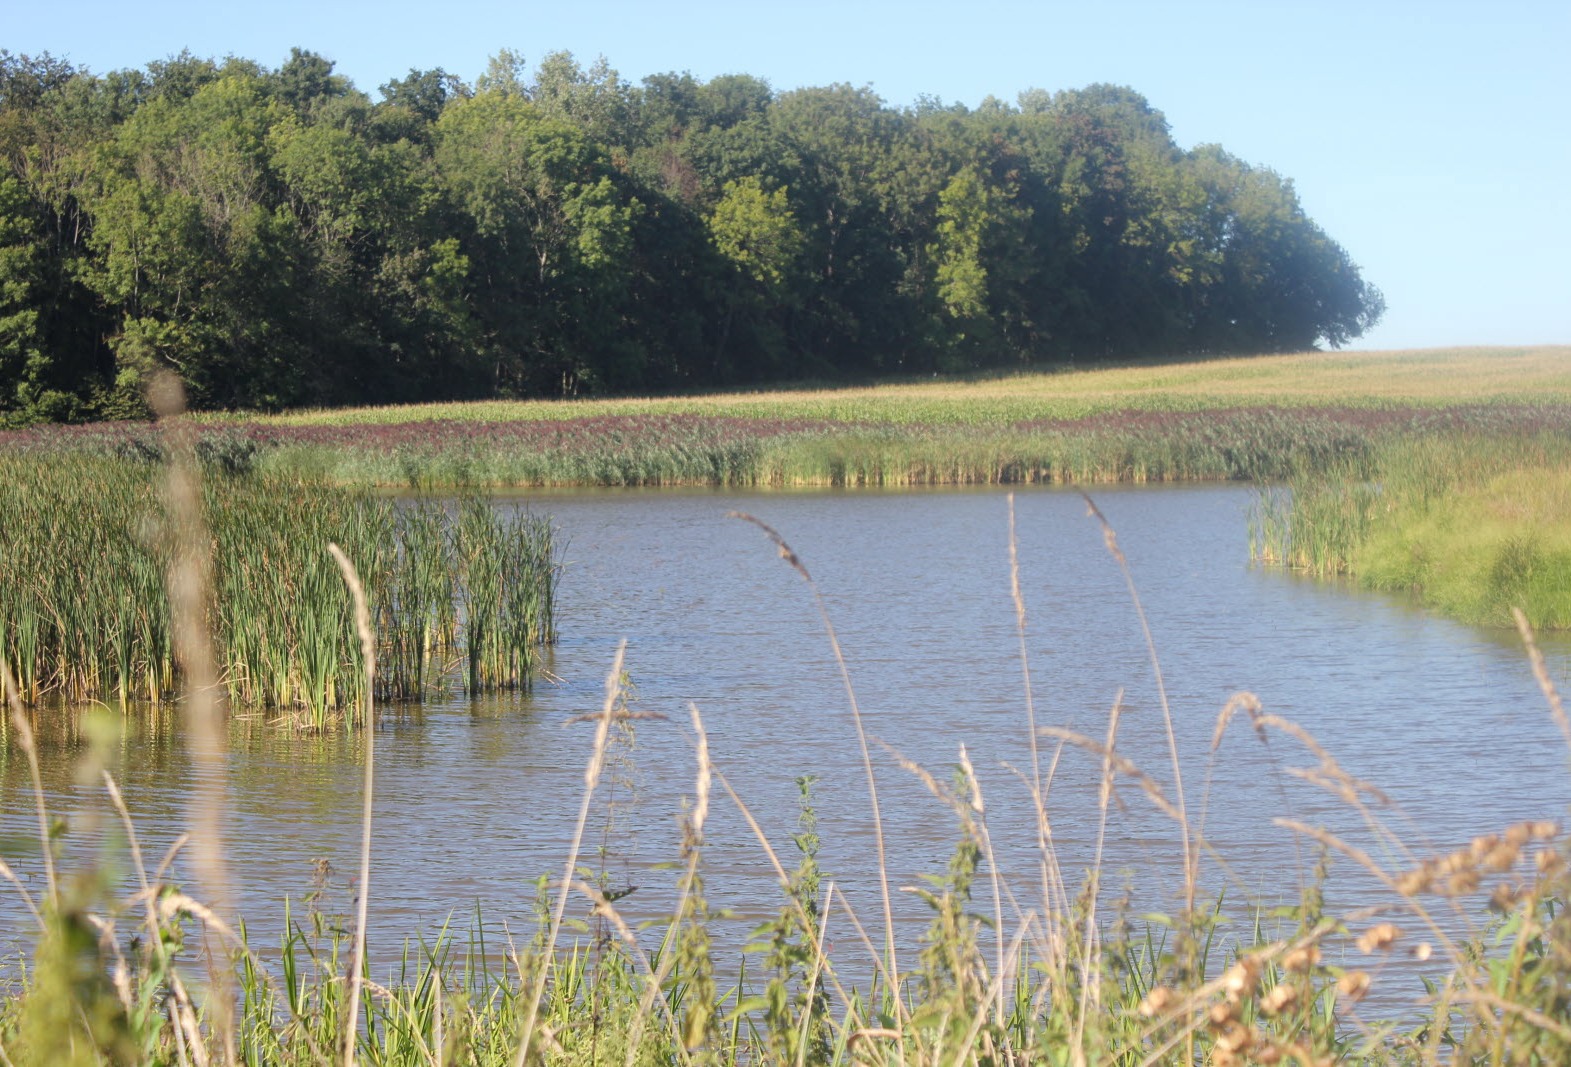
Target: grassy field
[(1427, 378), (1474, 526), (1331, 426), (1257, 419)]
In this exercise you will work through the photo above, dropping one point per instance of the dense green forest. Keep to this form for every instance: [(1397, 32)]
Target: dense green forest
[(279, 238)]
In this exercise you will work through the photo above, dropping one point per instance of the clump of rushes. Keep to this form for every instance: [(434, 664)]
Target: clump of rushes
[(85, 618), (1473, 526)]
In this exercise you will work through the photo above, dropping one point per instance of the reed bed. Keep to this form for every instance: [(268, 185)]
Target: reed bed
[(1260, 443), (461, 600), (1472, 524)]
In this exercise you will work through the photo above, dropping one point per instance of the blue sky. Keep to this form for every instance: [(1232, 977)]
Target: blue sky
[(1433, 139)]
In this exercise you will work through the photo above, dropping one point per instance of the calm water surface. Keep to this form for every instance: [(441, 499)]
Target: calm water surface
[(475, 800)]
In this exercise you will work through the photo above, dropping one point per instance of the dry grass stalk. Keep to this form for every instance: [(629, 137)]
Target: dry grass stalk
[(1089, 936), (1055, 897), (1557, 709), (820, 960), (790, 556), (1110, 537), (24, 737), (368, 724), (651, 996), (592, 772), (692, 833), (1455, 952), (154, 938), (189, 583), (994, 877)]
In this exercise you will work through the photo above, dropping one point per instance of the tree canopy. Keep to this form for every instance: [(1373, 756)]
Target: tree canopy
[(278, 237)]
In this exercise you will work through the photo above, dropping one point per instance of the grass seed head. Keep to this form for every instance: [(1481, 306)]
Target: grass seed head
[(1353, 985), (1378, 938), (1502, 857), (1419, 880), (1235, 1038), (1301, 959), (1279, 999), (1463, 882), (1156, 1001), (1241, 978), (1505, 897)]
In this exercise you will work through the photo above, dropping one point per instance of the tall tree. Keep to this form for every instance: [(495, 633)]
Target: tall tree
[(550, 232), (757, 233)]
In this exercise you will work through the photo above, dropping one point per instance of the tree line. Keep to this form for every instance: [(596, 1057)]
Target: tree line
[(278, 238)]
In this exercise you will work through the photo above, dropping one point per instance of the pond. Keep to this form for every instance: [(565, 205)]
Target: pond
[(477, 799)]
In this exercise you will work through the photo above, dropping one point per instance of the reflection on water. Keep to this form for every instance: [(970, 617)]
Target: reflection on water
[(476, 799)]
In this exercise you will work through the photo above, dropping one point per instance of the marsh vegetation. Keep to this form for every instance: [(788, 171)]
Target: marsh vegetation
[(1050, 961), (462, 595), (132, 956)]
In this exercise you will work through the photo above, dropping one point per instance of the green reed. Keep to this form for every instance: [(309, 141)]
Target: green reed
[(1473, 524), (84, 615)]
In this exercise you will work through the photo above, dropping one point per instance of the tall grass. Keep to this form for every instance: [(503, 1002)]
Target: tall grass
[(84, 616), (1473, 525), (1252, 443)]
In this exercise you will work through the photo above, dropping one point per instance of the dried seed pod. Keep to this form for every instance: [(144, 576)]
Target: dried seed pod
[(1235, 1037), (1456, 861), (1353, 985), (1301, 959), (1545, 830), (1414, 882), (1279, 999), (1501, 858), (1519, 834), (1378, 938), (1156, 1001), (1241, 978), (1220, 1014), (1464, 881)]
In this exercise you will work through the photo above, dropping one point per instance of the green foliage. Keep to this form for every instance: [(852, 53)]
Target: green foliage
[(794, 1004), (757, 232), (279, 240), (1472, 526), (87, 618)]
